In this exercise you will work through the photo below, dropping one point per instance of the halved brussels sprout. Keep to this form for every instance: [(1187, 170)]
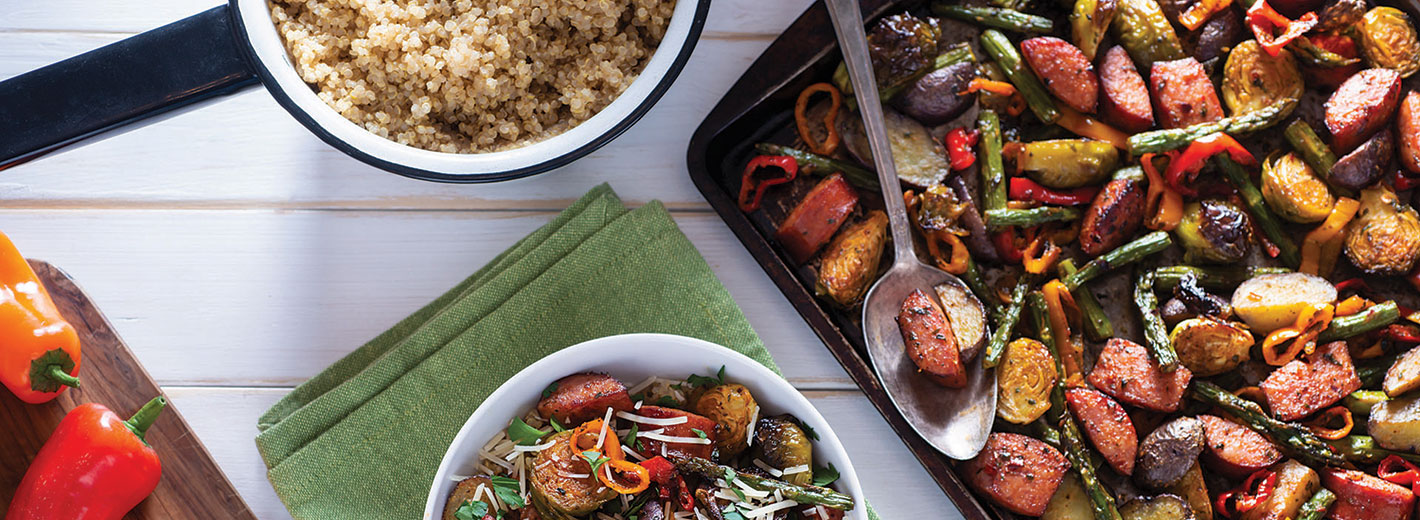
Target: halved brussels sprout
[(780, 442), (1294, 191), (850, 263), (1384, 237), (1068, 163), (556, 494), (1024, 381), (733, 409), (1388, 40), (1214, 230), (1210, 346), (1253, 79)]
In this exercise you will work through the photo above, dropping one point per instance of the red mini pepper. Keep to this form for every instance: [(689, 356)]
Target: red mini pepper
[(1264, 21), (1396, 470), (95, 466), (1404, 181), (1252, 493), (752, 188), (1191, 161), (39, 351), (959, 142), (1022, 188), (1008, 246)]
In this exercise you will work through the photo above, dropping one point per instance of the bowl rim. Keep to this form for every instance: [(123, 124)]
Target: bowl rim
[(264, 49), (745, 370)]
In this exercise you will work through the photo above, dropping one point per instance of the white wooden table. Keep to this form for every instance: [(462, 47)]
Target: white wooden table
[(238, 255)]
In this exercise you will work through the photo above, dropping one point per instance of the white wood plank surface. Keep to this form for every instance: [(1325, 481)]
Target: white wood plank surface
[(238, 255)]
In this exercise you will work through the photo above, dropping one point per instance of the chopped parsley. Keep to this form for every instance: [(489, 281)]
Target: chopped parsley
[(825, 476), (547, 392), (699, 433), (808, 430), (472, 510), (595, 459), (630, 439), (523, 434), (730, 476), (667, 401), (697, 380), (732, 513), (508, 492)]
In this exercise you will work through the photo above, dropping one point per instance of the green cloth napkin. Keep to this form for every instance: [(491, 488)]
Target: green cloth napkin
[(364, 437)]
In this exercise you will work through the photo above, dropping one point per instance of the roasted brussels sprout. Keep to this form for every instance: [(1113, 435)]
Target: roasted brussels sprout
[(1253, 79), (1024, 381), (1388, 40), (1142, 29), (733, 409), (781, 443), (464, 493), (1199, 301), (1068, 163), (901, 46), (850, 262), (1210, 346), (1294, 191), (1214, 230), (1384, 237), (1088, 23), (555, 494)]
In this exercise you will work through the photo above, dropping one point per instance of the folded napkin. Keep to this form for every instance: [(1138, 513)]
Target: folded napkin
[(364, 437)]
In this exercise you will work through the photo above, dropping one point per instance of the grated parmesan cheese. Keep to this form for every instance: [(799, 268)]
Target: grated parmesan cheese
[(797, 469), (770, 509), (768, 469), (672, 421), (675, 439)]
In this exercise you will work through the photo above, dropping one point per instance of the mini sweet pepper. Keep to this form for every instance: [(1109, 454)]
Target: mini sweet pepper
[(39, 351)]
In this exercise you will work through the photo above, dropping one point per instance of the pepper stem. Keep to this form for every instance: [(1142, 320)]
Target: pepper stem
[(61, 376), (145, 416)]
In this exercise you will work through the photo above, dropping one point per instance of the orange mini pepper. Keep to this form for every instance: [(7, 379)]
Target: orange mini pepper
[(39, 351), (1164, 206)]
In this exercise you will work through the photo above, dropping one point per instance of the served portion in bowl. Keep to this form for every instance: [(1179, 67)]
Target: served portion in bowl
[(674, 445)]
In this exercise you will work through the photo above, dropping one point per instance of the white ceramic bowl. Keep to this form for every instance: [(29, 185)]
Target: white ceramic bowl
[(632, 358)]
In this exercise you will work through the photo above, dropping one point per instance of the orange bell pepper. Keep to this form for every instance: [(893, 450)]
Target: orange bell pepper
[(1303, 335), (1332, 424), (1085, 125), (1057, 300), (1040, 255), (1315, 250), (39, 351), (1163, 206)]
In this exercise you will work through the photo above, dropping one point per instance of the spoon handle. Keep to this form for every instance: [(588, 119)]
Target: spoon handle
[(848, 23)]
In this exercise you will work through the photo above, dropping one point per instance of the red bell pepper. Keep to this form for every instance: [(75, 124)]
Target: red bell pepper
[(1252, 493), (1404, 181), (1265, 21), (1191, 161), (1353, 284), (1022, 188), (752, 188), (95, 466), (1008, 245), (959, 143)]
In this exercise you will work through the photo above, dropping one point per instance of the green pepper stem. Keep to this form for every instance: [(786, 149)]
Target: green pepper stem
[(145, 416), (57, 373)]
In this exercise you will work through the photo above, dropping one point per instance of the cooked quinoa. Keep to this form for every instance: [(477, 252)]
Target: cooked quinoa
[(470, 76)]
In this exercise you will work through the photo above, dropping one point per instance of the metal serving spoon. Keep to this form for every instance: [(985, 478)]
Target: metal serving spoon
[(955, 421)]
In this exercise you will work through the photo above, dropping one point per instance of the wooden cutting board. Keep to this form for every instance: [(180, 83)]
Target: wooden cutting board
[(192, 486)]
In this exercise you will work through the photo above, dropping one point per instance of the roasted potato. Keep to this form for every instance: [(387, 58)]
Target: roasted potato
[(1218, 35), (1167, 453), (1194, 491), (850, 262), (1161, 507), (1210, 346), (464, 492), (1295, 484), (1395, 424), (967, 316), (1024, 381), (1367, 163), (1403, 375), (1388, 40), (733, 409), (1070, 502), (1384, 237), (579, 398), (1214, 230), (1068, 163), (1272, 301), (1253, 79), (1142, 29), (921, 160), (555, 494), (1017, 472), (1294, 191), (780, 442), (934, 99)]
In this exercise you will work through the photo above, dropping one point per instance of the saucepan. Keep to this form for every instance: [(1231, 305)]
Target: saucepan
[(235, 46)]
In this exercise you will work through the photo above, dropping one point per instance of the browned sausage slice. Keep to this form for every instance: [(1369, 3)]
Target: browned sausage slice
[(1124, 98), (1235, 450), (1107, 425), (931, 343), (1065, 70), (817, 217), (1113, 217), (1299, 388), (1360, 496), (1016, 471), (579, 398), (1127, 372), (1360, 106), (1408, 127), (1183, 94)]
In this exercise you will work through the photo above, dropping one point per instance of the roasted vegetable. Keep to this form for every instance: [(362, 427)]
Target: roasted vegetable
[(1127, 372), (1235, 451), (1395, 424), (1024, 381), (1272, 301), (1295, 484), (1192, 488), (1219, 34), (850, 263), (1294, 439), (465, 492), (1210, 346), (557, 491), (1366, 164), (781, 443), (817, 217), (901, 46), (1315, 507), (733, 409), (1214, 230), (1088, 22), (921, 160), (1294, 191), (1134, 251), (1404, 375), (1141, 28), (1374, 318), (1017, 472), (1070, 502), (1173, 138), (805, 494), (1340, 15), (1067, 163), (967, 317), (1301, 388), (934, 98), (1004, 52), (1167, 452), (1254, 79), (1360, 106), (1160, 507), (1107, 425), (1199, 301), (1388, 40), (1313, 150), (579, 398), (1384, 238), (1360, 496), (995, 17), (929, 340)]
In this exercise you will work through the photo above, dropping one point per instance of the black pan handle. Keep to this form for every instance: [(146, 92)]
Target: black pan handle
[(160, 70)]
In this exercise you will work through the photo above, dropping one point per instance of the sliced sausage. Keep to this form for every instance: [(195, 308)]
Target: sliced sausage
[(1182, 93), (1407, 125), (1124, 98), (931, 343), (936, 98), (1065, 70), (1235, 450), (1127, 372), (1332, 77), (689, 443), (1107, 425), (1362, 104), (1367, 163), (1300, 388), (579, 398), (1017, 472), (817, 217), (1113, 216), (1360, 496)]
